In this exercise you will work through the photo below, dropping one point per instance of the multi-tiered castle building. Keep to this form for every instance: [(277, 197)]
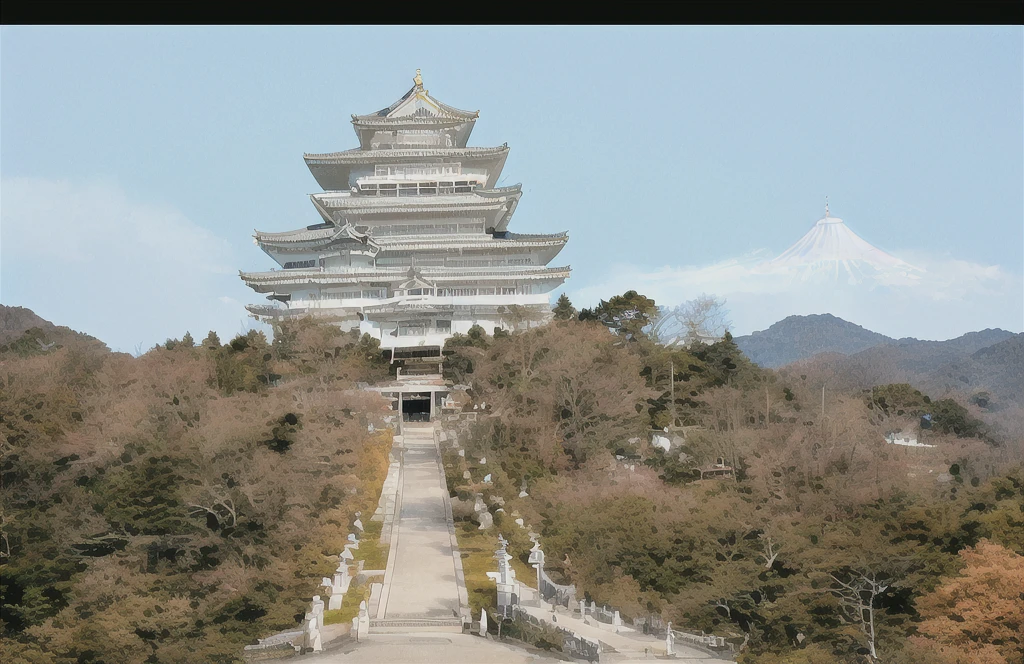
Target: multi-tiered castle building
[(413, 242)]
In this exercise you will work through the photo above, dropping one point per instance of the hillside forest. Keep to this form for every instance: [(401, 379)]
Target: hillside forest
[(824, 544), (173, 507)]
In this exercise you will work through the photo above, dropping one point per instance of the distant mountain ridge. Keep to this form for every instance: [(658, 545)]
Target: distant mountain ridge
[(799, 337), (16, 321), (851, 357)]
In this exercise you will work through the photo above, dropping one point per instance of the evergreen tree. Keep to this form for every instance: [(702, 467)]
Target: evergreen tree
[(211, 340), (187, 341), (627, 314), (563, 309)]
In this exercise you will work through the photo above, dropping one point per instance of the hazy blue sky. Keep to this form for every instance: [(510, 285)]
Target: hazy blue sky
[(136, 162)]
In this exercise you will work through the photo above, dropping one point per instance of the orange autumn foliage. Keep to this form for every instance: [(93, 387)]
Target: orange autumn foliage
[(977, 617)]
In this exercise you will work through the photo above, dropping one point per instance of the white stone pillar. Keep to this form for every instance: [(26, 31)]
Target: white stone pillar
[(342, 577), (483, 623), (311, 639), (364, 620), (308, 627), (318, 611)]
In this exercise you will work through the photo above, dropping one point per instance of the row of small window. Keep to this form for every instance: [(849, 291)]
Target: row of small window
[(295, 265), (349, 295), (490, 262), (525, 289), (404, 138), (416, 328), (404, 262), (405, 170), (426, 229), (462, 292), (398, 261), (451, 262), (418, 188)]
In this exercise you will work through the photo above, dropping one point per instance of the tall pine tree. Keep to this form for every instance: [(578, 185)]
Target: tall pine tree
[(563, 308)]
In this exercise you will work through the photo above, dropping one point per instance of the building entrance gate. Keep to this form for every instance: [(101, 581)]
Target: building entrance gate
[(416, 407)]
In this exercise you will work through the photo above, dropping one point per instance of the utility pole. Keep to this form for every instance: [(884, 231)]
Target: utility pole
[(672, 391), (767, 408), (823, 413)]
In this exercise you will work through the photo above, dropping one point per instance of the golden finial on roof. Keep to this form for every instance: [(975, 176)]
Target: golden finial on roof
[(418, 80)]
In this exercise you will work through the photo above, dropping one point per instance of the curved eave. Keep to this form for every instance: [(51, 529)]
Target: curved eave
[(457, 112), (295, 238), (478, 201), (297, 246), (539, 237), (497, 192), (429, 309), (375, 122), (269, 312), (262, 281), (428, 243), (447, 110), (334, 246), (358, 156), (311, 245)]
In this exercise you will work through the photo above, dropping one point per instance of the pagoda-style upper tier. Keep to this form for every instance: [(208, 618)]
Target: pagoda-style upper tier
[(341, 171), (481, 210), (417, 120)]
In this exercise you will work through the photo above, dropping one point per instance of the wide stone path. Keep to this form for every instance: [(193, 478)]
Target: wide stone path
[(420, 580), (420, 585)]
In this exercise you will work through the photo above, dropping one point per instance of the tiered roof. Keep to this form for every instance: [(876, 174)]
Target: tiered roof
[(324, 236), (333, 170), (467, 241), (407, 111), (313, 236), (357, 156), (413, 113), (261, 281), (500, 202)]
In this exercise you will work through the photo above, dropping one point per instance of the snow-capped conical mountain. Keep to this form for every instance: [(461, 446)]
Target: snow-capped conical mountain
[(831, 249)]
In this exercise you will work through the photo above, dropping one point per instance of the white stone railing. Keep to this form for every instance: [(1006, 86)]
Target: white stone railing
[(705, 640)]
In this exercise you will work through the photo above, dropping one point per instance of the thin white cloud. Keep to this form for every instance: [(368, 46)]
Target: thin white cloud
[(947, 298), (84, 254)]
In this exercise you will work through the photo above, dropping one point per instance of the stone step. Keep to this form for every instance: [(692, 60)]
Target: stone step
[(406, 625)]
